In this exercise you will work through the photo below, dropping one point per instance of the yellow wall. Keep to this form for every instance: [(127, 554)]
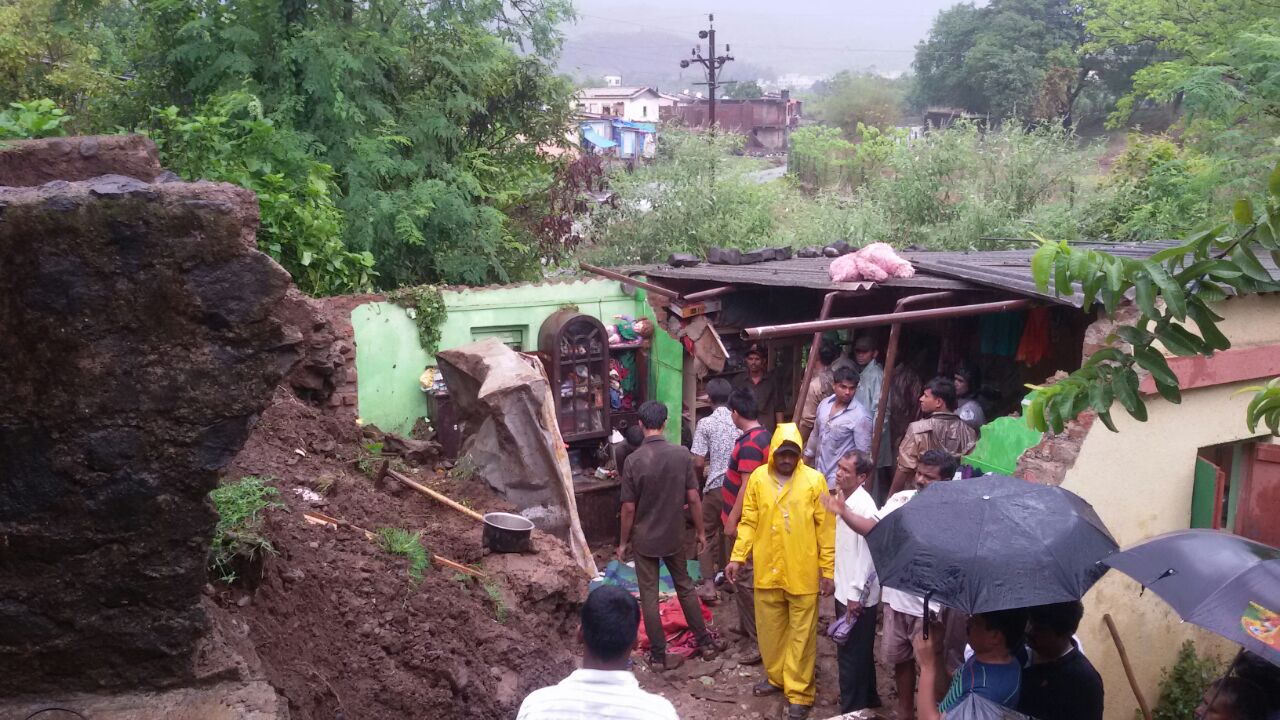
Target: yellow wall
[(1139, 480)]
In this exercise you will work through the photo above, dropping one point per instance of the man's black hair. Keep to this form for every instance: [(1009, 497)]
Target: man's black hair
[(743, 402), (828, 352), (653, 414), (944, 389), (862, 461), (1261, 672), (845, 374), (634, 435), (610, 619), (718, 391), (1247, 700), (1012, 624), (969, 373), (941, 459), (1062, 619)]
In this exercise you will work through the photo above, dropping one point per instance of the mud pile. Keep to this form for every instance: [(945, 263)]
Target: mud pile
[(340, 629)]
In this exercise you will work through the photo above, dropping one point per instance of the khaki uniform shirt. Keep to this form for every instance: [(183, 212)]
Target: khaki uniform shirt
[(941, 430)]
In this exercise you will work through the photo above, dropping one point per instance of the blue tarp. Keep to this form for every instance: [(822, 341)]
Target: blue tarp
[(641, 126), (596, 139), (624, 576)]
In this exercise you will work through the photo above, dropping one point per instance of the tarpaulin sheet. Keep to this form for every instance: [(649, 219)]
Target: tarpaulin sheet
[(512, 437), (597, 139), (624, 576)]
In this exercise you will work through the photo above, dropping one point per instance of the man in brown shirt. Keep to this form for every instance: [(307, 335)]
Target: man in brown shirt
[(657, 481), (757, 379), (940, 429)]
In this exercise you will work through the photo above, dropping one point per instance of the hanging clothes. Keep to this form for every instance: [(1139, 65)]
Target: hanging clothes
[(1034, 345), (1001, 332)]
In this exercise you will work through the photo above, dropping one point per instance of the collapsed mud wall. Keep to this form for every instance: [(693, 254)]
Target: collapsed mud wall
[(141, 333)]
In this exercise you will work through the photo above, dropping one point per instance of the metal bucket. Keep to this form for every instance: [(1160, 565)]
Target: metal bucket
[(507, 533)]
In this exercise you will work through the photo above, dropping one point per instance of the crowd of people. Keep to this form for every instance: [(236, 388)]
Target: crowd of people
[(777, 514)]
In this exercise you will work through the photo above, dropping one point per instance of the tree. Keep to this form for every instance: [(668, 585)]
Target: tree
[(1173, 290), (850, 99), (1014, 58), (743, 90)]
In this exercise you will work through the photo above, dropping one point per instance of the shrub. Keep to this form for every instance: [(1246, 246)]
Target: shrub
[(1182, 686), (32, 119), (399, 541)]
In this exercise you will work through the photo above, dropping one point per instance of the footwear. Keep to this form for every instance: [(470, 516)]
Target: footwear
[(709, 648), (665, 663), (798, 712), (749, 657), (764, 688)]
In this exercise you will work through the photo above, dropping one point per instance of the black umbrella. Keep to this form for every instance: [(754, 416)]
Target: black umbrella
[(992, 543), (1222, 582), (976, 707)]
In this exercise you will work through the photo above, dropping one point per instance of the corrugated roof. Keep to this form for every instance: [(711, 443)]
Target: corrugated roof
[(1007, 270), (808, 273), (613, 92)]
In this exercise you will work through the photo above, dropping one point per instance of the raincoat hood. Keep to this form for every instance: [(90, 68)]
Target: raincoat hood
[(783, 433)]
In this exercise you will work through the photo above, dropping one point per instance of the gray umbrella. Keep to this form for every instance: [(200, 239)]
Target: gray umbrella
[(976, 707), (1222, 582), (992, 543)]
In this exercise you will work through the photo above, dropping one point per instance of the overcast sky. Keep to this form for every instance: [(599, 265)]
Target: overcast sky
[(795, 36)]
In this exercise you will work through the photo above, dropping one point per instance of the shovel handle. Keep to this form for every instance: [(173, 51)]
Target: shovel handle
[(1128, 670), (437, 496)]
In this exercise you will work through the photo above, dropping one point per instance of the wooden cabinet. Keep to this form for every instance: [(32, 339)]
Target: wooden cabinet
[(575, 350)]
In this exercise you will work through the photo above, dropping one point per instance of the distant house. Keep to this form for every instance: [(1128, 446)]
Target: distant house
[(613, 81), (635, 104), (941, 118), (766, 122)]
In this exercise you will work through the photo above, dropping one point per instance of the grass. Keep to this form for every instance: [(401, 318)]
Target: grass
[(399, 541), (240, 505), (499, 605), (371, 453)]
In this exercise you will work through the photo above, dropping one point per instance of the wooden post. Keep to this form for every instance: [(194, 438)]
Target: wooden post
[(1128, 670)]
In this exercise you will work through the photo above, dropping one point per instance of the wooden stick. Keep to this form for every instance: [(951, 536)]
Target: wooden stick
[(1128, 670), (319, 517), (384, 470)]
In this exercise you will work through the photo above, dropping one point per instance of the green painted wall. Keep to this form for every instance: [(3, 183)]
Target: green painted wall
[(389, 360), (666, 373)]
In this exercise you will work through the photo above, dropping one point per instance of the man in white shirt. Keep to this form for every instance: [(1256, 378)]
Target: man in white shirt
[(857, 591), (604, 687), (903, 612)]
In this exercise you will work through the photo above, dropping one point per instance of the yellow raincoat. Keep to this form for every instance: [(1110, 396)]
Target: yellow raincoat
[(791, 539)]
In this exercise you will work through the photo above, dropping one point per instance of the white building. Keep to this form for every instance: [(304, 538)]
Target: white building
[(636, 104)]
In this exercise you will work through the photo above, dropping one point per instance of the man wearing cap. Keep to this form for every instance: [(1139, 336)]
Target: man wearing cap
[(758, 380), (790, 538)]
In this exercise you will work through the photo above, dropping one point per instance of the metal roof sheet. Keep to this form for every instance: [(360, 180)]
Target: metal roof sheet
[(1007, 270)]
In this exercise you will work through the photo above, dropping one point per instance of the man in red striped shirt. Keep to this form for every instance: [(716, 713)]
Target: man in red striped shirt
[(750, 451)]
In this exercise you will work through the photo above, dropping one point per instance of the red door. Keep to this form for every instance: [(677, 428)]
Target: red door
[(1260, 496)]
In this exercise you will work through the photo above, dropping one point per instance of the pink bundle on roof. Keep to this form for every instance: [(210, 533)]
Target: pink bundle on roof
[(875, 262)]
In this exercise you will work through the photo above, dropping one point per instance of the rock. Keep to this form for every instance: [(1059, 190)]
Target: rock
[(683, 260), (724, 256), (252, 700), (27, 163), (139, 341), (836, 249), (751, 258), (809, 251)]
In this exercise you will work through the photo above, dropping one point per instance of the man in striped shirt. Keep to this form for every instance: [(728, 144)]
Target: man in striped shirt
[(750, 451), (604, 687)]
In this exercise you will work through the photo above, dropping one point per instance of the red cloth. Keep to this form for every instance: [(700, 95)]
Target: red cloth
[(1035, 337), (675, 627)]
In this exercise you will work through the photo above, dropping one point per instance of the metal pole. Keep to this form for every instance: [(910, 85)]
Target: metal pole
[(813, 357), (768, 332), (890, 364), (626, 279), (711, 293), (711, 73)]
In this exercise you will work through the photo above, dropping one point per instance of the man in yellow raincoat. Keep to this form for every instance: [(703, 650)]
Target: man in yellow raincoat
[(791, 538)]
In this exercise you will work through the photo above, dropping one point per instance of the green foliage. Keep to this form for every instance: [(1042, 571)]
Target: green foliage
[(744, 90), (370, 456), (231, 140), (1182, 686), (500, 609), (1174, 291), (33, 119), (399, 541), (1156, 190), (1265, 406), (851, 99), (693, 197), (240, 506), (425, 305)]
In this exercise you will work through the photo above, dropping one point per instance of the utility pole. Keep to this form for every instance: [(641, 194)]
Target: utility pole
[(712, 65)]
